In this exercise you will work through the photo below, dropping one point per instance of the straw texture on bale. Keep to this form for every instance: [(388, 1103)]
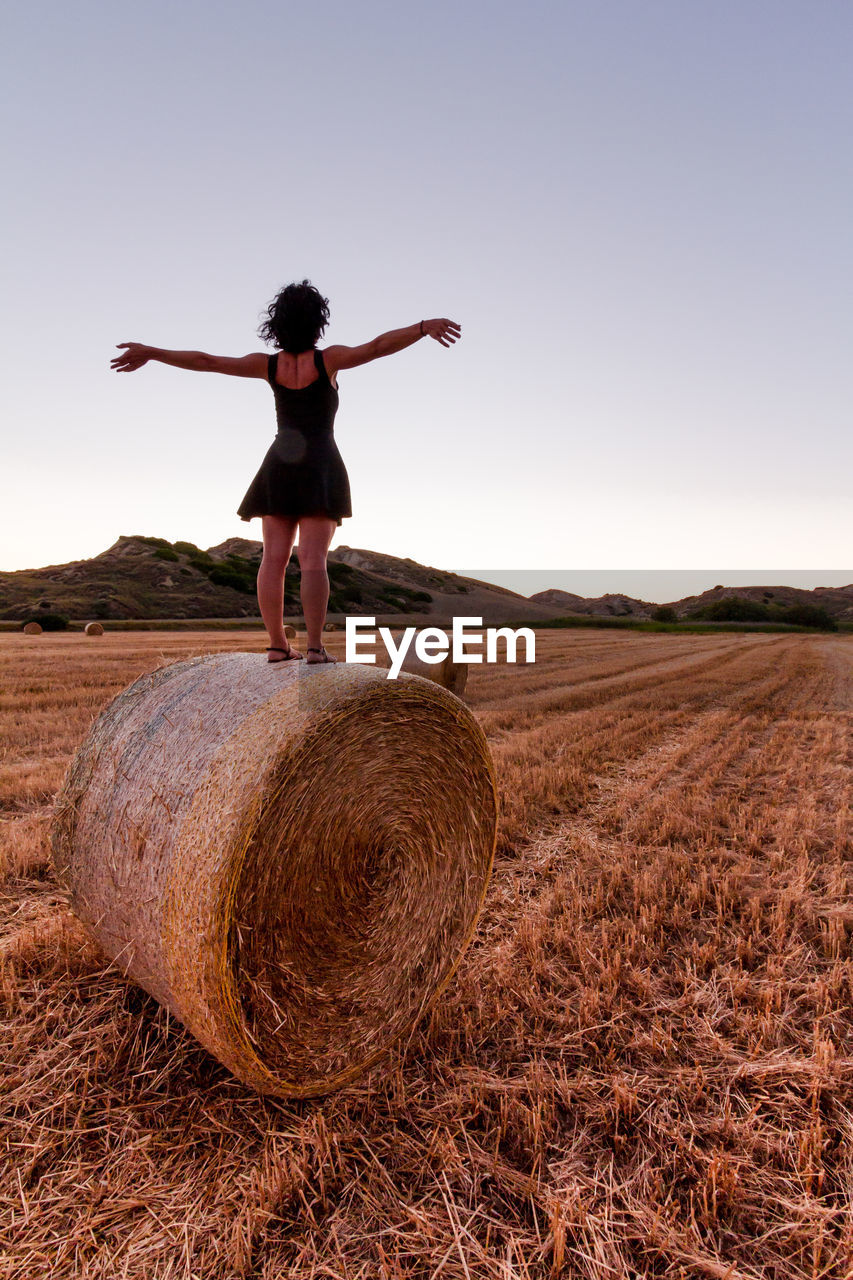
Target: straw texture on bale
[(32, 629), (93, 629), (290, 632), (291, 858), (449, 674)]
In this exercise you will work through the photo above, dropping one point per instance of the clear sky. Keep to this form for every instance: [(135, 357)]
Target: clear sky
[(640, 214)]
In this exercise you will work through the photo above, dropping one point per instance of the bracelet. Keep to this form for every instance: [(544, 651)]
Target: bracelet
[(422, 328)]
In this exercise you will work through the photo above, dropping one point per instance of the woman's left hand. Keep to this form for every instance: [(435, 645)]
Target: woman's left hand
[(444, 331), (134, 357)]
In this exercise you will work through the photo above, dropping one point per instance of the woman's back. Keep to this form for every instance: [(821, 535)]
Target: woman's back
[(296, 370), (310, 402)]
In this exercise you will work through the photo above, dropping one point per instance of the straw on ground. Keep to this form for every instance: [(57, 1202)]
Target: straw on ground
[(643, 1067)]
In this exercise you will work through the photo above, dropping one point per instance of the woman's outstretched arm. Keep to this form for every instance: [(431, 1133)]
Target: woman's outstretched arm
[(444, 331), (136, 354)]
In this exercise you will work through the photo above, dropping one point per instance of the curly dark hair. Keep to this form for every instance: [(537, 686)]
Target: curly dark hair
[(296, 317)]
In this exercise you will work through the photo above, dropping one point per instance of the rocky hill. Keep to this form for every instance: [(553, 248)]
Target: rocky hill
[(146, 577), (609, 606), (837, 601)]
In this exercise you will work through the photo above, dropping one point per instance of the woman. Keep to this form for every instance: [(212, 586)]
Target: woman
[(302, 485)]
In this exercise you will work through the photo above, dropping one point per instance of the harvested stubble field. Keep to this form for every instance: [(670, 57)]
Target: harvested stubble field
[(644, 1066)]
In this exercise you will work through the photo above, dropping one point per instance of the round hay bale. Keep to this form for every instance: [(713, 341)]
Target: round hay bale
[(447, 673), (290, 858), (290, 632), (93, 629), (32, 629)]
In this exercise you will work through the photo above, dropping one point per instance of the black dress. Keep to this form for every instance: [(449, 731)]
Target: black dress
[(303, 474)]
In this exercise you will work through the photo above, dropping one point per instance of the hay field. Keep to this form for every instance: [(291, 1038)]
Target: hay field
[(644, 1066)]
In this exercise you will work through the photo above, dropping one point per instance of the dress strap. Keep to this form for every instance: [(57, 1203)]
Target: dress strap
[(320, 364), (272, 365)]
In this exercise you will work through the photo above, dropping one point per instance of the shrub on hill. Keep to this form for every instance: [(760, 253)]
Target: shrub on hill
[(234, 571), (224, 575), (166, 553), (734, 609), (809, 615), (48, 621), (664, 613), (343, 595), (739, 609)]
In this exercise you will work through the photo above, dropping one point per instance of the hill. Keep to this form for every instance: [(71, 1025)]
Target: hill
[(608, 606), (147, 578), (837, 601)]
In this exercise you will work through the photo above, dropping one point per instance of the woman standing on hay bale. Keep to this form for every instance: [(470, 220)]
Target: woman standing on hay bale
[(302, 485)]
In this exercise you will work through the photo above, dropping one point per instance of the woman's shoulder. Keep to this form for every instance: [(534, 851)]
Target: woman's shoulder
[(326, 364)]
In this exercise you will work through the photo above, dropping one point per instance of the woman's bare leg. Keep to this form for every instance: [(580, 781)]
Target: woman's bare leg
[(315, 535), (279, 536)]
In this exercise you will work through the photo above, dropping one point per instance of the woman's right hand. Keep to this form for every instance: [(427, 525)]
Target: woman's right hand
[(136, 355), (444, 331)]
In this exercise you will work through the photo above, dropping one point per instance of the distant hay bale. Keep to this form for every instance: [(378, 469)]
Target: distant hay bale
[(291, 859), (290, 632), (447, 673), (32, 629), (93, 629)]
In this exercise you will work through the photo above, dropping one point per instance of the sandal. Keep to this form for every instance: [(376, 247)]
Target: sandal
[(289, 654), (324, 657)]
